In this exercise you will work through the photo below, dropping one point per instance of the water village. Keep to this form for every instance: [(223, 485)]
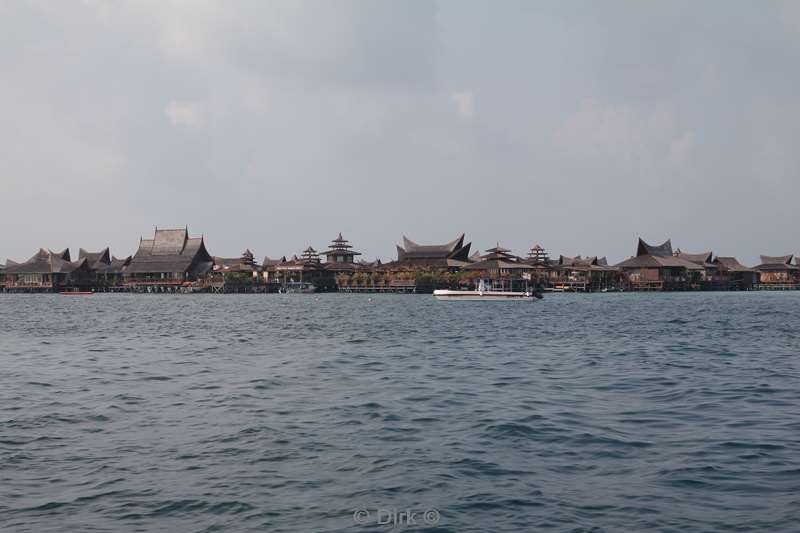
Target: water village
[(172, 261)]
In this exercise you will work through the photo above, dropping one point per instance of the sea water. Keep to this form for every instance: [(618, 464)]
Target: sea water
[(593, 412)]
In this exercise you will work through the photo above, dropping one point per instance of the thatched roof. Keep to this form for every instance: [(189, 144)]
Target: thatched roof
[(95, 260), (454, 249), (171, 251), (662, 250), (657, 261), (497, 263), (46, 262), (776, 259), (661, 256), (454, 254), (245, 263), (730, 264), (578, 263), (103, 262), (267, 263), (701, 258), (776, 263)]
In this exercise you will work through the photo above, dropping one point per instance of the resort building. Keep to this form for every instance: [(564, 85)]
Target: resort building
[(369, 276), (107, 271), (3, 276), (441, 257), (499, 262), (778, 272), (420, 267), (540, 261), (340, 256), (504, 269), (305, 273), (169, 261), (240, 274), (657, 268), (269, 269), (245, 264), (583, 274), (173, 261), (731, 275), (48, 271), (703, 259), (363, 264), (538, 256)]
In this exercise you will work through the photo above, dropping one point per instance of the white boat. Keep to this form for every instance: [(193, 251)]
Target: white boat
[(482, 293), (297, 287)]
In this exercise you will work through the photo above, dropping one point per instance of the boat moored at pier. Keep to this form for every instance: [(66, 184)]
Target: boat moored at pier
[(485, 292)]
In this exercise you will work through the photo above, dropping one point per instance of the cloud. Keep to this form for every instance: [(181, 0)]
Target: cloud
[(349, 41), (189, 114), (643, 139), (465, 103), (341, 103)]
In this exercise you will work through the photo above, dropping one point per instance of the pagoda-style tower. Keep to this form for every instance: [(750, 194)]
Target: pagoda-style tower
[(500, 253), (248, 259), (538, 256), (310, 256), (340, 251)]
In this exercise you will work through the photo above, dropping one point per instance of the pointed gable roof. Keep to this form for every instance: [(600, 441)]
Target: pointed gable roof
[(662, 250), (586, 263), (565, 260), (169, 241), (92, 258), (649, 256), (412, 247), (9, 264), (44, 262), (455, 249), (272, 262), (171, 250)]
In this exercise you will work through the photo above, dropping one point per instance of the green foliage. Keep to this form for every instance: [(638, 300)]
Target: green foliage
[(238, 279), (428, 278)]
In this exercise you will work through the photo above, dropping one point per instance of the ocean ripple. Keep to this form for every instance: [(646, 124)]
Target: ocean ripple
[(580, 413)]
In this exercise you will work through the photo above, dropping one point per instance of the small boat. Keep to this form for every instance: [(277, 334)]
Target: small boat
[(298, 287), (75, 293), (484, 294)]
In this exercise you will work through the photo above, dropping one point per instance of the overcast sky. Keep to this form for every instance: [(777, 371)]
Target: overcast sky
[(275, 125)]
